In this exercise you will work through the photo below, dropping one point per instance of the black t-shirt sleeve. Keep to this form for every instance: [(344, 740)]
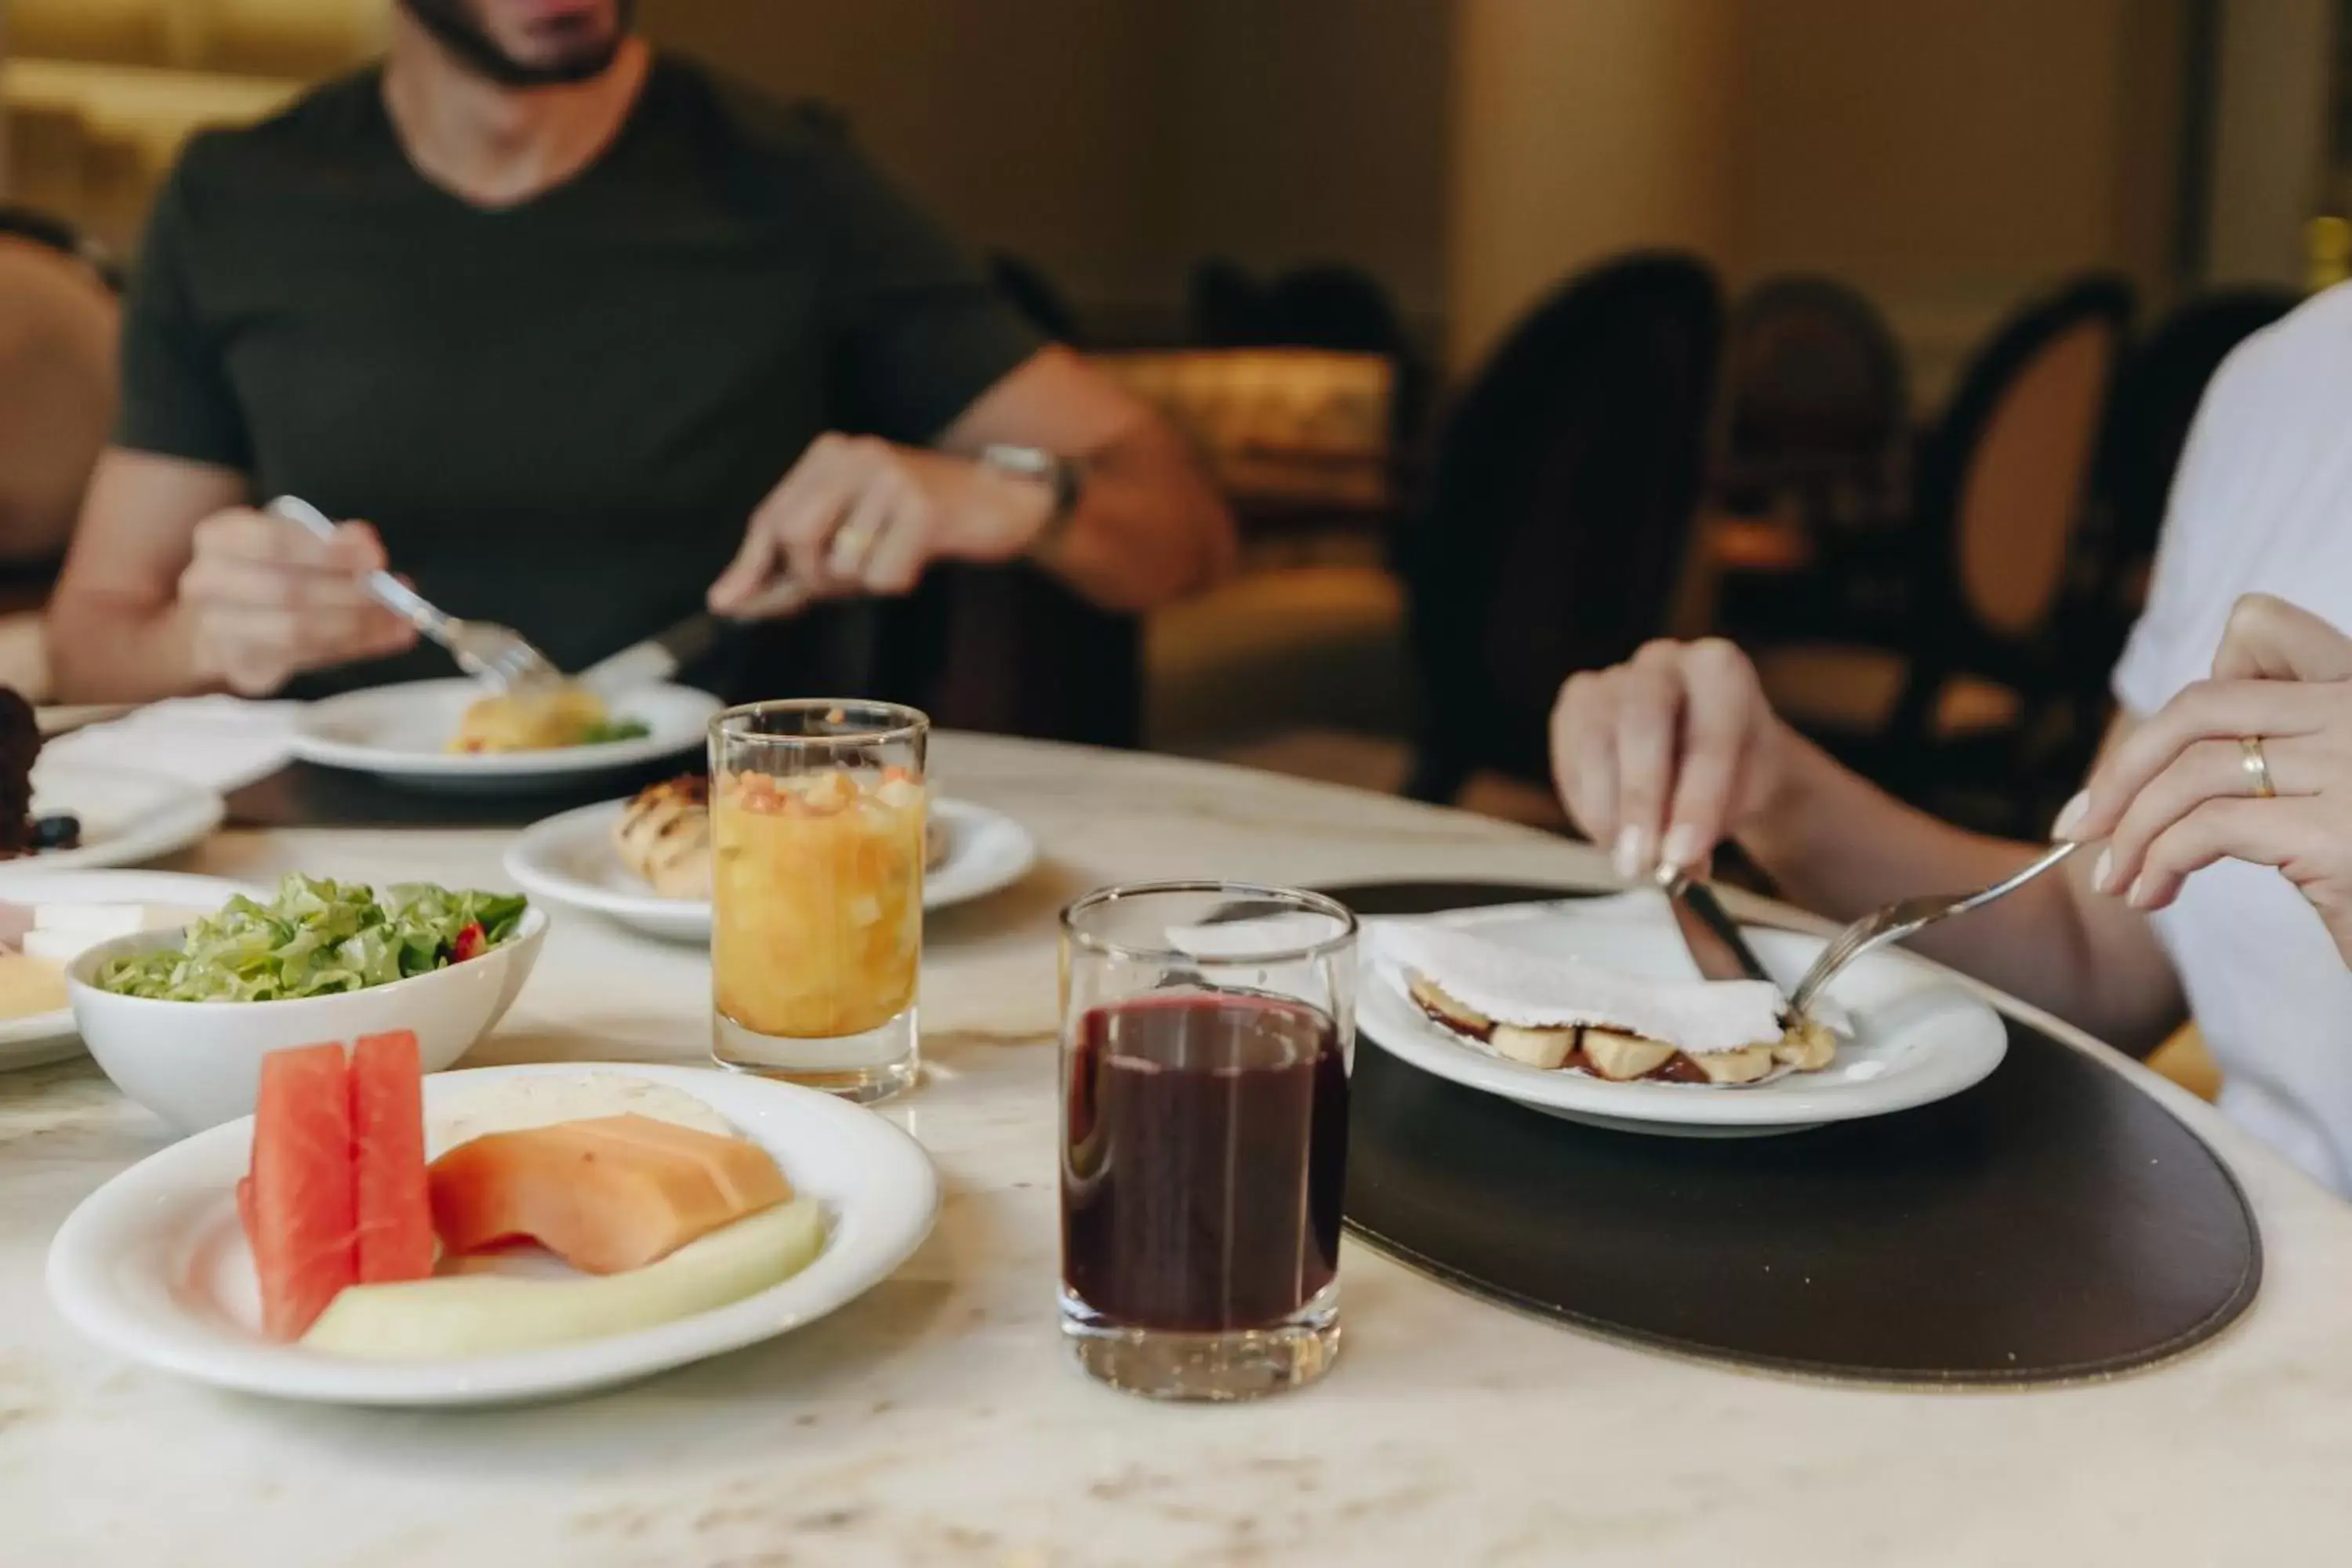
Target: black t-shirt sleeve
[(923, 334), (176, 397)]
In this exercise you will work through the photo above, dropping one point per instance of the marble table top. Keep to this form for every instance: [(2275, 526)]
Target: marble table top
[(938, 1421)]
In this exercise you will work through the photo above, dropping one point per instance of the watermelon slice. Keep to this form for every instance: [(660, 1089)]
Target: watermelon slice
[(302, 1194), (395, 1215)]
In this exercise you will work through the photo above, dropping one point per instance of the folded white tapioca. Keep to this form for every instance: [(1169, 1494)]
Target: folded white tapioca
[(1512, 987)]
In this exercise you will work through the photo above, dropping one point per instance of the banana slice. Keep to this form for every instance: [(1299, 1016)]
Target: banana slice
[(1743, 1066), (1621, 1057), (1808, 1046), (1447, 1011), (1537, 1047)]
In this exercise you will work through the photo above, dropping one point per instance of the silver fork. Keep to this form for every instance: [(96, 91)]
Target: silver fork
[(495, 654), (1906, 917)]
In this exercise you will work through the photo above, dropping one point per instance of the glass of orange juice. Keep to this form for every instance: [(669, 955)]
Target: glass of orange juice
[(816, 891)]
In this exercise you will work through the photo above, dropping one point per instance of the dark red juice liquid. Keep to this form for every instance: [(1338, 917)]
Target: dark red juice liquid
[(1206, 1151)]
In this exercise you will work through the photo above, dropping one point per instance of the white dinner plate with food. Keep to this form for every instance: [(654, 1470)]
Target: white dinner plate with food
[(573, 859), (155, 1267), (1910, 1037), (409, 734), (128, 817), (32, 1033)]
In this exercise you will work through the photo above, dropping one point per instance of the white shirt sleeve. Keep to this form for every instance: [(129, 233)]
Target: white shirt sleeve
[(2199, 573)]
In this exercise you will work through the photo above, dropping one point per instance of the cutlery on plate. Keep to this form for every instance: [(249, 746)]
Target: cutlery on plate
[(659, 656), (1715, 943), (495, 654), (1905, 918)]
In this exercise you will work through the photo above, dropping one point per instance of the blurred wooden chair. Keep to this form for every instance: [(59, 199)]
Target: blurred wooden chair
[(2184, 1059), (1558, 506), (59, 324), (1815, 406), (1955, 709), (1805, 497), (1344, 308), (1224, 307)]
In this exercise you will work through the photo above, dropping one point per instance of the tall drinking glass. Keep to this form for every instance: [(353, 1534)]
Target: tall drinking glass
[(1206, 1033), (816, 891)]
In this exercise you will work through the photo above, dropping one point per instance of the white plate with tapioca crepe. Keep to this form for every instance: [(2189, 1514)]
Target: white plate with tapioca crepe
[(155, 1265), (1907, 1035), (571, 860), (412, 734)]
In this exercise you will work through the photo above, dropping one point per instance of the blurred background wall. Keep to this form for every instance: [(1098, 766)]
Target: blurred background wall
[(1942, 155)]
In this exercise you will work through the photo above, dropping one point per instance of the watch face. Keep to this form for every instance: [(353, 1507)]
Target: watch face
[(1033, 462)]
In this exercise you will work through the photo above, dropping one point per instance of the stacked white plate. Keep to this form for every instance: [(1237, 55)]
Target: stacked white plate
[(51, 1036)]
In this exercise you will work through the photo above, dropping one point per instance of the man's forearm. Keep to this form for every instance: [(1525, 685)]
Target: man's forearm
[(1840, 847), (1149, 528), (103, 648)]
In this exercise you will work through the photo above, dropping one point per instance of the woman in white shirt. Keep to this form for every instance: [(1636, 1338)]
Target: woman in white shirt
[(2211, 893)]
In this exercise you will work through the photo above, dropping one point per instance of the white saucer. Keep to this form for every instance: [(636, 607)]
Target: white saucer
[(50, 1036), (153, 1266), (569, 859), (1917, 1038), (126, 818), (401, 734)]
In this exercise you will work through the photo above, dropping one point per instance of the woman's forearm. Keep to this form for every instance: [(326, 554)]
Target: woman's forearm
[(1838, 845)]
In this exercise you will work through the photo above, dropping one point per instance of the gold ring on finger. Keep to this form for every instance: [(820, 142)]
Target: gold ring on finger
[(2257, 766), (850, 545)]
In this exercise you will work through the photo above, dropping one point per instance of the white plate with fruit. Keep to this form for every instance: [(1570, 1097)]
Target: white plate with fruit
[(579, 1225), (645, 862), (48, 918)]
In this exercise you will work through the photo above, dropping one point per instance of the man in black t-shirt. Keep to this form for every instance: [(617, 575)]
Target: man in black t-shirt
[(589, 337)]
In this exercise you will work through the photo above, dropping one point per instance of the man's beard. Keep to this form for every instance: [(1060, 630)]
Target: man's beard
[(454, 25)]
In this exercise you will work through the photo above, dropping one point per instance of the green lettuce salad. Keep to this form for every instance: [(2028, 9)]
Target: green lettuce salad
[(318, 937)]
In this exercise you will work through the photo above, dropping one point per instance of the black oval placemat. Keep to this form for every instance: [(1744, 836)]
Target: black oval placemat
[(2050, 1223)]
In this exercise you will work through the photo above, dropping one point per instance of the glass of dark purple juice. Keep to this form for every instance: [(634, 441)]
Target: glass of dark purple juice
[(1206, 1033)]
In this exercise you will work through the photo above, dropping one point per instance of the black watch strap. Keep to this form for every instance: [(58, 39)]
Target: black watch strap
[(1068, 476)]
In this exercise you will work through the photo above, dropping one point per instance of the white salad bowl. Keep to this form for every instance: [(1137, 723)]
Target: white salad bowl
[(198, 1064)]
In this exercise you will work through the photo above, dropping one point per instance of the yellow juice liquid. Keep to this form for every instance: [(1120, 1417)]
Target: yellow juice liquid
[(816, 901)]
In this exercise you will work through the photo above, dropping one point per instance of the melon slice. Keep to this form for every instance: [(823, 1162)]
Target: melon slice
[(489, 1314), (302, 1198), (394, 1214), (611, 1194)]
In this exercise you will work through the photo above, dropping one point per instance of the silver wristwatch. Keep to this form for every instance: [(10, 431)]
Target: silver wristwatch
[(1066, 476)]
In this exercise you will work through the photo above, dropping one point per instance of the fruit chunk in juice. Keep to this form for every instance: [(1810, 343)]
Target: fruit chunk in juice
[(817, 893)]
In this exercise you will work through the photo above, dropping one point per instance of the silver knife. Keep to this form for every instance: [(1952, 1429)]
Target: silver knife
[(1713, 938), (658, 657)]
